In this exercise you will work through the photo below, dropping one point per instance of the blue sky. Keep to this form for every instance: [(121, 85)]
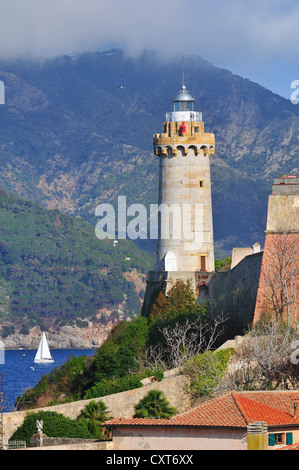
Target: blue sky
[(254, 39)]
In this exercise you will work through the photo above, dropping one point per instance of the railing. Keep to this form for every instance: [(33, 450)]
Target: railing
[(16, 445), (183, 116)]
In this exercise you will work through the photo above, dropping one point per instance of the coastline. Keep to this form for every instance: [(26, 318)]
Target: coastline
[(67, 337)]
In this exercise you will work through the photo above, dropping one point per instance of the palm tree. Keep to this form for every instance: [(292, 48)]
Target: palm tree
[(93, 415), (154, 405)]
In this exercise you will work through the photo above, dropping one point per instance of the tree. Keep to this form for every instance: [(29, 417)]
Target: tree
[(223, 265), (205, 371), (185, 340), (115, 357), (180, 299), (154, 405), (93, 416), (279, 287), (218, 264), (180, 341), (263, 360)]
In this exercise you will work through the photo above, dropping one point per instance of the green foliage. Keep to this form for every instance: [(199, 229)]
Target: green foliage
[(154, 405), (116, 356), (206, 371), (179, 301), (218, 264), (8, 330), (114, 367), (54, 269), (67, 380), (227, 263), (54, 425), (71, 372), (224, 265), (178, 306), (92, 416), (110, 386)]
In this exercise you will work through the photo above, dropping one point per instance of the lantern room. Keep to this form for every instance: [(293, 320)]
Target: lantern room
[(183, 101)]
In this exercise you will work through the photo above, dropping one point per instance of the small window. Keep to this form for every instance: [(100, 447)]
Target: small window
[(195, 129), (276, 439), (279, 438), (203, 263), (183, 106), (201, 184)]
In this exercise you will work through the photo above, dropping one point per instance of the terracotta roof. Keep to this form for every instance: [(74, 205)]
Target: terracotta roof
[(291, 447), (234, 409)]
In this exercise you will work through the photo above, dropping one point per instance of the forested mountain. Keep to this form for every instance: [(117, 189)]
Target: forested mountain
[(77, 130), (54, 271)]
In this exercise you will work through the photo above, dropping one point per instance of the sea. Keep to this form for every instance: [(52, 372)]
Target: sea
[(20, 372)]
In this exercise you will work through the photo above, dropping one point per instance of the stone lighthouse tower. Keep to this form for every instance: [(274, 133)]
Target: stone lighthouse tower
[(185, 247), (185, 218)]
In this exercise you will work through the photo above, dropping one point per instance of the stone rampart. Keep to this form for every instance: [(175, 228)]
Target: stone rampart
[(234, 292), (119, 404)]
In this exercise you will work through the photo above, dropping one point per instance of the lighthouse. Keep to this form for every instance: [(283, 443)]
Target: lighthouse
[(185, 240), (185, 244)]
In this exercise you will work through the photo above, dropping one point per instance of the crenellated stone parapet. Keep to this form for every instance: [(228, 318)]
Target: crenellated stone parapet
[(184, 138)]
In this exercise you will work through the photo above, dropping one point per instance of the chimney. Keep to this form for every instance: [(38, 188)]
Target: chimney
[(257, 433), (295, 410)]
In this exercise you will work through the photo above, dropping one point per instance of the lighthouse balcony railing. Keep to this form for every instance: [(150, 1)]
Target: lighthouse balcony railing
[(183, 116)]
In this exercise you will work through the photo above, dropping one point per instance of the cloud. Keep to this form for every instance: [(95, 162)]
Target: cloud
[(50, 27), (238, 34)]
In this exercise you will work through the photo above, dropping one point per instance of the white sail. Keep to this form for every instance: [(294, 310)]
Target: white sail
[(43, 353)]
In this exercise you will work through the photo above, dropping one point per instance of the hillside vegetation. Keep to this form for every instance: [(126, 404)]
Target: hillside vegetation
[(177, 333), (77, 130), (122, 360), (53, 269)]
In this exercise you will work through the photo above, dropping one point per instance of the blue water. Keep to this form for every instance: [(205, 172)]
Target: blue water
[(18, 375)]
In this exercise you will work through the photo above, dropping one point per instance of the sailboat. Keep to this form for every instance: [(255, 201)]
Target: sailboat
[(43, 354)]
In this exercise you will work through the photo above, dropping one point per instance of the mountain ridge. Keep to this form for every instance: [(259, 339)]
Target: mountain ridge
[(83, 140), (55, 275)]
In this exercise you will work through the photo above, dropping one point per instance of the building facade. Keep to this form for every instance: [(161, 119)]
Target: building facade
[(278, 290), (220, 423)]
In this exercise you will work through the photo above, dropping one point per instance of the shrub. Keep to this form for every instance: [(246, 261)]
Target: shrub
[(7, 331), (206, 371), (117, 355), (92, 416), (180, 300), (110, 386), (154, 405), (54, 425)]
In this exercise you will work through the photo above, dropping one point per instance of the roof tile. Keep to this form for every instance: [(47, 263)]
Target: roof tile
[(233, 409)]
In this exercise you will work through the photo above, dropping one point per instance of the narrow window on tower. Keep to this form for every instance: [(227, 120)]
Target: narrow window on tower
[(202, 263), (201, 184)]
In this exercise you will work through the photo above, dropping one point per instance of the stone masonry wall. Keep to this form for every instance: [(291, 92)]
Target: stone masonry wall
[(119, 404), (234, 293)]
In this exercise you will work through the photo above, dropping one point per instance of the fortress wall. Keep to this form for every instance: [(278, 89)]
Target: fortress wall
[(244, 276), (279, 273), (234, 292), (280, 266), (119, 404)]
